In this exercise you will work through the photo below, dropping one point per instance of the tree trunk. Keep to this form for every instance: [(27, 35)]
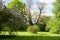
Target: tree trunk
[(39, 17)]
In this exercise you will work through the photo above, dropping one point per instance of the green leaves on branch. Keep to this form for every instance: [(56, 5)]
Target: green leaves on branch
[(53, 26), (56, 9), (18, 5)]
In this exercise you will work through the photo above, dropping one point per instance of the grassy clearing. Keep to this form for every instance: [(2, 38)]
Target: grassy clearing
[(31, 36), (38, 34)]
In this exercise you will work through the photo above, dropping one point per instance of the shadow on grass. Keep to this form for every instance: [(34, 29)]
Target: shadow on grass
[(13, 37), (7, 36)]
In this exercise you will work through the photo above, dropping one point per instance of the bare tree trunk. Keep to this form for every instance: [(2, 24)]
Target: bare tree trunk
[(29, 17), (39, 17), (41, 8)]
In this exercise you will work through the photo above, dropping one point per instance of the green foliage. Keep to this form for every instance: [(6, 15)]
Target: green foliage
[(49, 25), (56, 9), (5, 27), (9, 22), (18, 5), (4, 17), (56, 27), (53, 26), (17, 23), (33, 29), (43, 21)]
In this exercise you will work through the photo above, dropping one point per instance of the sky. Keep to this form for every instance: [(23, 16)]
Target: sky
[(48, 8), (47, 1)]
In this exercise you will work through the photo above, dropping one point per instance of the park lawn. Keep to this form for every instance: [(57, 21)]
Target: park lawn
[(31, 36), (38, 34)]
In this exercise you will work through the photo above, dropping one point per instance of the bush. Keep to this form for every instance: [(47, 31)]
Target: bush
[(56, 27), (33, 29), (49, 25), (53, 26)]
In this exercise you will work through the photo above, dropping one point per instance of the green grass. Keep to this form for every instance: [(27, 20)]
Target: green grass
[(38, 34), (31, 36)]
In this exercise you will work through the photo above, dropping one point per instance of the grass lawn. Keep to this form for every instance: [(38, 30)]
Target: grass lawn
[(38, 34), (31, 36)]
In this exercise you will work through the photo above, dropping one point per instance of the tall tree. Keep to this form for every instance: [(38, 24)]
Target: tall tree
[(41, 7), (28, 8), (17, 8), (54, 25)]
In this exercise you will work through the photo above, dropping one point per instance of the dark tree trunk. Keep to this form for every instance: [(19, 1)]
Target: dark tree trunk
[(39, 17)]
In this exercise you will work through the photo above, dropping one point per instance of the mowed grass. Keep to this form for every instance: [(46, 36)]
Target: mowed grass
[(31, 36), (38, 34)]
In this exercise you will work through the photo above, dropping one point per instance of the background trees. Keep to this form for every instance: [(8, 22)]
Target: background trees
[(53, 25), (16, 14), (43, 21), (12, 17)]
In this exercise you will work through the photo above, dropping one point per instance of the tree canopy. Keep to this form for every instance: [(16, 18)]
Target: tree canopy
[(56, 9), (18, 5)]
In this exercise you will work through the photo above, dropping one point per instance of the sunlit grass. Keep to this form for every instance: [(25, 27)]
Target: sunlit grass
[(30, 34)]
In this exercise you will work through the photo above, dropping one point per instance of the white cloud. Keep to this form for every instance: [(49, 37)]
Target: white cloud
[(47, 1)]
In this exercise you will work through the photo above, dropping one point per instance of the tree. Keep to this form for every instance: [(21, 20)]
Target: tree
[(53, 25), (28, 8), (41, 7), (56, 9), (11, 19), (16, 22), (17, 5), (18, 9)]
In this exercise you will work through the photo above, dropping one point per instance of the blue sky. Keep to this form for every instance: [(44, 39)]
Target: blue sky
[(48, 8)]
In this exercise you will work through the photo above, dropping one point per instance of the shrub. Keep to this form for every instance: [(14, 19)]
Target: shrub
[(49, 25), (56, 26), (33, 29), (53, 26)]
